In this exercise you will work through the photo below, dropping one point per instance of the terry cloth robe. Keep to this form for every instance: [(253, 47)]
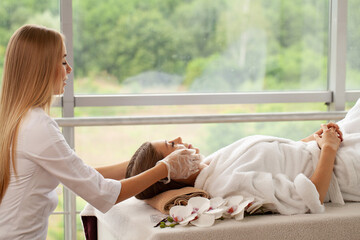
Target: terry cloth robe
[(347, 165), (276, 171)]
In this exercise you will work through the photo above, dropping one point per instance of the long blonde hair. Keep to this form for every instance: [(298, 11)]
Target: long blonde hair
[(30, 77)]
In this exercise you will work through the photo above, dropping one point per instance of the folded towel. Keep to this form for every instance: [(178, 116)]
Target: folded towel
[(164, 201)]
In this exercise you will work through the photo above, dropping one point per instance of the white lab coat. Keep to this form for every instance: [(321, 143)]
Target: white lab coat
[(43, 160)]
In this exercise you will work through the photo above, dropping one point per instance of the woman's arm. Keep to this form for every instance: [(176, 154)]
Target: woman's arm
[(329, 143), (116, 171), (179, 164), (134, 185)]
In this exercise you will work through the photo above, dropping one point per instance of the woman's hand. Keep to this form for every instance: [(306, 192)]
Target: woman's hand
[(178, 165), (329, 136), (182, 163)]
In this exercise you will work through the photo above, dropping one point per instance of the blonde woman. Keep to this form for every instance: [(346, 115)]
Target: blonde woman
[(34, 156)]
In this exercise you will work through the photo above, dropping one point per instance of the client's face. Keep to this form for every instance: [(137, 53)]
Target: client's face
[(167, 147)]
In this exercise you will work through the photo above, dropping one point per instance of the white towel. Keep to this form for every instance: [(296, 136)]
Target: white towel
[(347, 165), (351, 123), (88, 211)]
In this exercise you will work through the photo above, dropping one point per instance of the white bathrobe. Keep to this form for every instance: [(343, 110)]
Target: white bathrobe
[(276, 171)]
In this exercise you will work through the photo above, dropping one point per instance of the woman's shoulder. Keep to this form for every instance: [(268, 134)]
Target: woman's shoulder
[(37, 117), (37, 125), (40, 133)]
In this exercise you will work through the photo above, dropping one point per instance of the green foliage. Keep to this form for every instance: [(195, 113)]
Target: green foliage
[(296, 67), (196, 68), (14, 14), (353, 35), (221, 135), (229, 45), (353, 78)]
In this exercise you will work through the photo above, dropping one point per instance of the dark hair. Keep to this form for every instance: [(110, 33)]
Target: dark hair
[(143, 159)]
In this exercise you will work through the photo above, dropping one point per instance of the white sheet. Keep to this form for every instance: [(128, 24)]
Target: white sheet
[(131, 220)]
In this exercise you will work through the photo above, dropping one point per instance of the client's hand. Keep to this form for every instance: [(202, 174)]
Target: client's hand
[(329, 137), (182, 163), (337, 129), (320, 132)]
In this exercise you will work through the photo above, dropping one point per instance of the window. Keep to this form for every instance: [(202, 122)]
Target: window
[(17, 13), (353, 48), (200, 46)]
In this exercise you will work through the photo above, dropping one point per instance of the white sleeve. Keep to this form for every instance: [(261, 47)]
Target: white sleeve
[(50, 150), (298, 196), (308, 193), (351, 122)]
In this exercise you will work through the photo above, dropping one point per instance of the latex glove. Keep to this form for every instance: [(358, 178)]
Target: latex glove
[(181, 164)]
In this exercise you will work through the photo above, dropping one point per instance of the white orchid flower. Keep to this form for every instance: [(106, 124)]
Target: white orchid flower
[(193, 212), (203, 212), (236, 207), (182, 214), (217, 207)]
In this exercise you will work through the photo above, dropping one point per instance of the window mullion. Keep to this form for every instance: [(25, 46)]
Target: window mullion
[(66, 23), (337, 53)]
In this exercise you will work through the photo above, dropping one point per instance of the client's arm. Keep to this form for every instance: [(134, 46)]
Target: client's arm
[(329, 143), (311, 137), (116, 171)]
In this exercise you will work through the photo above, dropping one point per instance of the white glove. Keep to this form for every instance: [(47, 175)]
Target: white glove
[(181, 164)]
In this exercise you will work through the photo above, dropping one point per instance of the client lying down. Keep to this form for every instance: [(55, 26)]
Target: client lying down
[(285, 176)]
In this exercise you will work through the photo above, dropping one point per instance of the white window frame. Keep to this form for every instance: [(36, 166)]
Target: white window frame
[(335, 97)]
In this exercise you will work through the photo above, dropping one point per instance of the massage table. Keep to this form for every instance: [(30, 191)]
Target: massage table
[(134, 219)]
